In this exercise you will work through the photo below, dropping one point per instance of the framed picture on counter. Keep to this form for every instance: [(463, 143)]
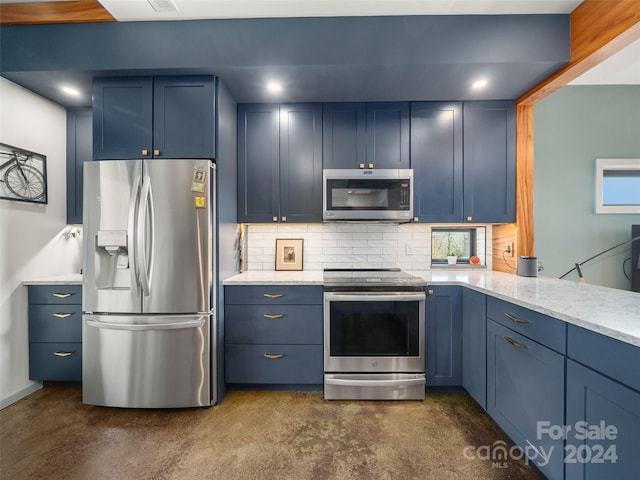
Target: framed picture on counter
[(289, 253)]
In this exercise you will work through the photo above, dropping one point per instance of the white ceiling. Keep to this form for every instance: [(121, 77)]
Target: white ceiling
[(130, 10), (623, 68)]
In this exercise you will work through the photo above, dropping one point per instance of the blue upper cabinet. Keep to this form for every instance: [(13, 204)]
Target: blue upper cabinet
[(122, 118), (366, 135), (437, 162), (184, 117), (387, 135), (344, 135), (258, 163), (489, 162), (154, 117), (279, 163), (79, 150), (301, 162)]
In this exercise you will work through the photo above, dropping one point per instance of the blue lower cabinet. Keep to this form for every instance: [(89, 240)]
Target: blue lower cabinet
[(603, 426), (443, 342), (525, 395), (474, 345), (55, 361), (274, 364)]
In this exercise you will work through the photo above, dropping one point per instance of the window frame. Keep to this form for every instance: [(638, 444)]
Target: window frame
[(473, 244), (608, 165)]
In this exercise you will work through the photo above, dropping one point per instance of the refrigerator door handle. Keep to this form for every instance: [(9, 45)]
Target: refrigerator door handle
[(131, 227), (146, 202), (146, 326)]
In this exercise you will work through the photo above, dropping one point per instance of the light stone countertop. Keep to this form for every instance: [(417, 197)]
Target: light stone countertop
[(611, 312), (68, 279)]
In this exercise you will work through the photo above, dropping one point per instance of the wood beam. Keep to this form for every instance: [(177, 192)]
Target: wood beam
[(599, 29), (75, 11)]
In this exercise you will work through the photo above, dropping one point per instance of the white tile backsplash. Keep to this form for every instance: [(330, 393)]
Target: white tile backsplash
[(353, 245)]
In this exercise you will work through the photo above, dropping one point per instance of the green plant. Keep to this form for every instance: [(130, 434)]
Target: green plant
[(455, 245)]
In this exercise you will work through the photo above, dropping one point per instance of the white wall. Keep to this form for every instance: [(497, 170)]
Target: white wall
[(32, 240), (353, 245)]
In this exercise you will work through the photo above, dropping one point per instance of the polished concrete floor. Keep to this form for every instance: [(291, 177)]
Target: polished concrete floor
[(253, 435)]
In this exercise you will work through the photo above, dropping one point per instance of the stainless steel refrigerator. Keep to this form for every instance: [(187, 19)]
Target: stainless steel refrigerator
[(148, 283)]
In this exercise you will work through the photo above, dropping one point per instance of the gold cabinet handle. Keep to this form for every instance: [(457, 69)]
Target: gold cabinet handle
[(145, 151), (156, 152), (514, 343), (272, 295), (62, 315), (63, 354), (416, 219), (514, 319), (273, 317), (371, 165), (275, 219), (62, 295), (273, 357), (469, 218), (361, 165), (430, 292), (284, 219)]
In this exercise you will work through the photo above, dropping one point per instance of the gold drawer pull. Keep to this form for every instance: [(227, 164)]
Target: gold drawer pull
[(62, 295), (272, 295), (156, 152), (62, 315), (514, 319), (63, 354), (273, 357), (515, 344), (273, 317)]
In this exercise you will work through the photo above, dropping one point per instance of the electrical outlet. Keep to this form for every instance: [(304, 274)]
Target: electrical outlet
[(409, 248)]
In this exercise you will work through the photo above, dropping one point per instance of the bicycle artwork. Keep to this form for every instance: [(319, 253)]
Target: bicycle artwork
[(23, 175)]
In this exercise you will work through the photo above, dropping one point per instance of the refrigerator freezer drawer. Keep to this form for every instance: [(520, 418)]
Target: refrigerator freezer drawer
[(146, 362)]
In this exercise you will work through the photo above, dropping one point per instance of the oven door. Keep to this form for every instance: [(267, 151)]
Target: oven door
[(374, 332)]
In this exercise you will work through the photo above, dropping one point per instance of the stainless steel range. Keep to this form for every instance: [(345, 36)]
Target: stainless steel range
[(373, 335)]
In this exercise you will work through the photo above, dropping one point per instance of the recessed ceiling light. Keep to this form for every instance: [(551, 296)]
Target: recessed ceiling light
[(478, 84), (72, 92), (274, 87)]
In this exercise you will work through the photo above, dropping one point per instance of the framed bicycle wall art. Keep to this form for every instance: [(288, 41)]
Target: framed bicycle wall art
[(23, 175)]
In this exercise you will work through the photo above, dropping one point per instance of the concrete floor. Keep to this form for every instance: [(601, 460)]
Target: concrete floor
[(252, 435)]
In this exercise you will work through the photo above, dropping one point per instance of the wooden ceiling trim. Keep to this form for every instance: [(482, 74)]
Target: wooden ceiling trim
[(53, 12), (599, 28)]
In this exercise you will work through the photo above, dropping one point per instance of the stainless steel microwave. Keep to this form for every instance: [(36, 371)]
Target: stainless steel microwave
[(368, 195)]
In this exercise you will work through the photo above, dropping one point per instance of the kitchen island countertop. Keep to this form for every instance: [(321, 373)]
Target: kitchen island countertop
[(68, 279), (611, 312)]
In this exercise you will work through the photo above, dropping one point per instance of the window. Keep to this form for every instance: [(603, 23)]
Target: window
[(460, 242), (617, 185)]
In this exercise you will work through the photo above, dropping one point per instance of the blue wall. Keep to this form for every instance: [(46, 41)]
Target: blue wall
[(573, 127)]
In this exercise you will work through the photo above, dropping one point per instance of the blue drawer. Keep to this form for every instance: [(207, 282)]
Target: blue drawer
[(59, 294), (273, 324), (55, 361), (549, 331), (273, 294), (55, 323), (618, 360), (293, 364)]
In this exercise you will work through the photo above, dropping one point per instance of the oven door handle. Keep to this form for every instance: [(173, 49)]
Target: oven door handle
[(375, 297), (352, 382)]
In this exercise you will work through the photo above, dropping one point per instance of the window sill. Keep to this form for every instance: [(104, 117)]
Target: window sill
[(457, 266)]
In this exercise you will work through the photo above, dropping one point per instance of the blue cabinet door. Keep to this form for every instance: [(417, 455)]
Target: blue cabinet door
[(388, 135), (443, 343), (344, 135), (79, 150), (474, 345), (122, 118), (258, 163), (525, 386), (489, 162), (604, 417), (436, 159), (184, 117), (301, 162)]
